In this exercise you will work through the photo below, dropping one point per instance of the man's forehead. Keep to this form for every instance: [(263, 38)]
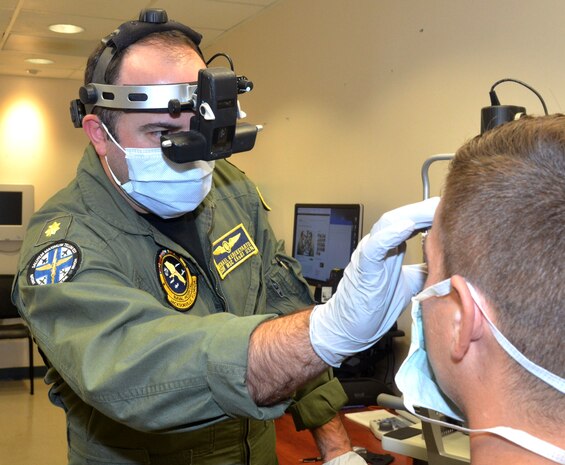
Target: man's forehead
[(146, 64)]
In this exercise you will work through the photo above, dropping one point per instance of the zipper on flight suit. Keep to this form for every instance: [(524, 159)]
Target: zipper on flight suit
[(212, 278), (246, 445), (212, 282), (221, 297)]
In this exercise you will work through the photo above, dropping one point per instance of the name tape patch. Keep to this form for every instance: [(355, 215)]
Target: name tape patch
[(232, 249)]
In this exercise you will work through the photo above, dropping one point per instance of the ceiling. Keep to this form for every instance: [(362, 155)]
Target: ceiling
[(25, 34)]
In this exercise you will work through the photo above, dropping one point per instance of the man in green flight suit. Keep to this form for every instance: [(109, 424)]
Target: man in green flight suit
[(163, 304)]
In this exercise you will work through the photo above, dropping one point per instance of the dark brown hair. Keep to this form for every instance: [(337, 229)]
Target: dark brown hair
[(502, 227), (171, 40)]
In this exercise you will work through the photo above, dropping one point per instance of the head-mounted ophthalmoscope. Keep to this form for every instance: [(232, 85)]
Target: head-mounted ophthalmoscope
[(214, 131)]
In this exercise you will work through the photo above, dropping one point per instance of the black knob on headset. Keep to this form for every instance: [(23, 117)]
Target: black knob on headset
[(243, 84), (174, 107), (153, 15), (88, 94)]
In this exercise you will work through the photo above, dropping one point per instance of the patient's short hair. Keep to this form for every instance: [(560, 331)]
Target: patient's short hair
[(503, 228)]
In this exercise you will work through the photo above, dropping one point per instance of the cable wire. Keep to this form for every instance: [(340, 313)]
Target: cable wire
[(221, 54), (527, 86)]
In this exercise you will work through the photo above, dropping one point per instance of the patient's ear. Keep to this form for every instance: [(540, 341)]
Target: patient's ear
[(92, 126), (468, 325)]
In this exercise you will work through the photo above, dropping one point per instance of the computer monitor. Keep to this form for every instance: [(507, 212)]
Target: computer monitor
[(16, 208), (325, 236)]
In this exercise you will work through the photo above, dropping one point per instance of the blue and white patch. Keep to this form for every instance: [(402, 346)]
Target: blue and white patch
[(54, 264)]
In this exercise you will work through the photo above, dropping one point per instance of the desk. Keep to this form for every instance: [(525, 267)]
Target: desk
[(454, 446), (293, 445)]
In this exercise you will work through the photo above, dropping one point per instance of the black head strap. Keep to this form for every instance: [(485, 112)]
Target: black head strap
[(150, 21)]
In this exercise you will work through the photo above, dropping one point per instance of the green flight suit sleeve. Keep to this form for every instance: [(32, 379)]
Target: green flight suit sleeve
[(317, 402), (134, 359)]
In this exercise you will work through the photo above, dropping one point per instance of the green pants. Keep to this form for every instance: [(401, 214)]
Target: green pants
[(245, 442)]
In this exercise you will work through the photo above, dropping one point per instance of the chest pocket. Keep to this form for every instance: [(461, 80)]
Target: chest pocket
[(286, 289)]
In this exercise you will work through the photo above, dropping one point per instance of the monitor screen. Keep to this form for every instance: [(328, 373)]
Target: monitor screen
[(16, 208), (325, 235), (11, 211)]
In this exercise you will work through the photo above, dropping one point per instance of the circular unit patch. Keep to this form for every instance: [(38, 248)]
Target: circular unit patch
[(181, 288), (56, 263)]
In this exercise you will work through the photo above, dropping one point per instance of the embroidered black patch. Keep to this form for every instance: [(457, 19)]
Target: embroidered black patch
[(56, 263), (181, 288)]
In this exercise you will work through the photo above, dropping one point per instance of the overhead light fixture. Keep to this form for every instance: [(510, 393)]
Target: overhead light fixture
[(65, 28), (39, 61)]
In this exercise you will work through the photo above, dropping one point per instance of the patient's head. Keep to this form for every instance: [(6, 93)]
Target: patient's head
[(501, 225)]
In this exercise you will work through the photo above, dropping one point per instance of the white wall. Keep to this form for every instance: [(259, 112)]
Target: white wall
[(39, 146), (38, 143), (354, 95)]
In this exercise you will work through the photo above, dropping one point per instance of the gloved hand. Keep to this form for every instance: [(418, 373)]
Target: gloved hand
[(375, 287), (349, 458)]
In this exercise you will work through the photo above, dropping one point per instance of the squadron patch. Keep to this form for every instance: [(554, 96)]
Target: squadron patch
[(232, 249), (181, 288), (56, 263)]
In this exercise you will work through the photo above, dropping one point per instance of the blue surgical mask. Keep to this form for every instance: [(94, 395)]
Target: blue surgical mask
[(161, 186), (416, 379)]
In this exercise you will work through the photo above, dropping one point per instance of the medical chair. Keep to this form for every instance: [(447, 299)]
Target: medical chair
[(17, 330)]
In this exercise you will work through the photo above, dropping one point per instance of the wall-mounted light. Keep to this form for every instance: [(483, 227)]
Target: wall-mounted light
[(22, 130), (39, 61), (66, 28)]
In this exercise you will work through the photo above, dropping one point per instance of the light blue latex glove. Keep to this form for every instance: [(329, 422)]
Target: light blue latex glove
[(375, 286), (349, 458)]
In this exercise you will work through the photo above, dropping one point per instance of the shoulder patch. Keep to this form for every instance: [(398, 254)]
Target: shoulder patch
[(54, 264), (54, 229), (232, 249), (180, 286)]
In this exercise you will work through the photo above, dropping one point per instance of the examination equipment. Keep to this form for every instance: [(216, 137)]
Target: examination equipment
[(497, 114), (491, 116), (214, 131)]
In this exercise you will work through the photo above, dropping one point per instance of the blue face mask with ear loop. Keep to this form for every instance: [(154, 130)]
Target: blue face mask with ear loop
[(161, 186), (416, 380)]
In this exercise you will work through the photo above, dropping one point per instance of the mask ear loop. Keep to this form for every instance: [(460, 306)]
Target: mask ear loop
[(516, 436), (539, 372), (116, 180), (112, 137), (439, 289)]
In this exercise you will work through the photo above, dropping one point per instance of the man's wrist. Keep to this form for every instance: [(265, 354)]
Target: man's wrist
[(332, 439)]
